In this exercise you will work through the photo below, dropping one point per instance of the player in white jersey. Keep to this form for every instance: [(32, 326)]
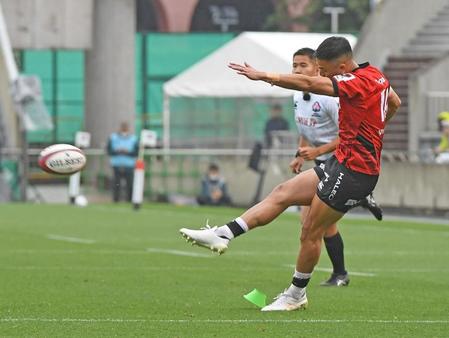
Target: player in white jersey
[(316, 117)]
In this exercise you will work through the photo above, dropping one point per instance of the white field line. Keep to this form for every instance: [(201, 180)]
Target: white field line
[(353, 273), (223, 321), (179, 253), (70, 239)]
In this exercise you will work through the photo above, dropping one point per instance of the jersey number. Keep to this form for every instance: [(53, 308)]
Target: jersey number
[(384, 103)]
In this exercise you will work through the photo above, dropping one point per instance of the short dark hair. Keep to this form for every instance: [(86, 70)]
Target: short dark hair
[(306, 52), (213, 167), (332, 48)]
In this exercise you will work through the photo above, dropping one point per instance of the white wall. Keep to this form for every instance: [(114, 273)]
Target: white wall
[(43, 24), (401, 184), (410, 185), (391, 26), (413, 185)]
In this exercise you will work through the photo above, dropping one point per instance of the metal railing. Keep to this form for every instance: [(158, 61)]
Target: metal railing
[(176, 172), (437, 102)]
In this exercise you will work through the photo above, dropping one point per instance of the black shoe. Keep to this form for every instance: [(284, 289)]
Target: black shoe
[(336, 280), (369, 203)]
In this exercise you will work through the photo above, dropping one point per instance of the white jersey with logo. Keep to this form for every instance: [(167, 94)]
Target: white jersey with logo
[(317, 119)]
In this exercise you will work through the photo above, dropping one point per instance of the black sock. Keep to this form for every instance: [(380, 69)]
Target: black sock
[(335, 247), (300, 282), (235, 228)]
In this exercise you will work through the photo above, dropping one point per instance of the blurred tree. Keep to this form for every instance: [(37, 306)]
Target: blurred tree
[(286, 16), (230, 15), (280, 19), (314, 20), (350, 21)]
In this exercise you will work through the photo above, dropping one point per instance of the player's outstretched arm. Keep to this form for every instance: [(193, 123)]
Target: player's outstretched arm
[(394, 102), (313, 84)]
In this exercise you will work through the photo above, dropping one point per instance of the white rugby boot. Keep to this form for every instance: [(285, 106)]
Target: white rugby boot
[(207, 238), (286, 302)]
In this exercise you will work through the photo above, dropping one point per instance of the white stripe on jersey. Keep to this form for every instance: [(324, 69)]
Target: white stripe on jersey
[(317, 119)]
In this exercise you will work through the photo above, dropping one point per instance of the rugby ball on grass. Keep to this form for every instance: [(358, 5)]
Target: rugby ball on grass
[(62, 159)]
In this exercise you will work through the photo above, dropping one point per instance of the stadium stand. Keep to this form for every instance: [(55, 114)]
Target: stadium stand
[(398, 70), (418, 42), (430, 42)]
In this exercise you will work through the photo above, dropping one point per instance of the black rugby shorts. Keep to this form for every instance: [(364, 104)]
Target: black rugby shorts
[(340, 187)]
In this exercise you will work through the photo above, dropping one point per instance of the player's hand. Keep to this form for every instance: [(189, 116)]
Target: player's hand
[(296, 164), (247, 70), (309, 153)]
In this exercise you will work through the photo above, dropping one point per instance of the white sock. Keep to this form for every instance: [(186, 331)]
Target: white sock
[(302, 275), (242, 224), (239, 226), (296, 291)]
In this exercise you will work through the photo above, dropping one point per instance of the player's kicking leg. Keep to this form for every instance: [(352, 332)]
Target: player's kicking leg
[(297, 191), (320, 217)]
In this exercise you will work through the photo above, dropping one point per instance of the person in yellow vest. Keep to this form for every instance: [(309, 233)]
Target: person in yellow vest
[(442, 151)]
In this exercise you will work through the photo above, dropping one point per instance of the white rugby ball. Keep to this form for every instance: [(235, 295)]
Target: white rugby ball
[(62, 159), (81, 201)]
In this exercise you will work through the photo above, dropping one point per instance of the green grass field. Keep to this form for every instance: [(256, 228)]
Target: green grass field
[(109, 271)]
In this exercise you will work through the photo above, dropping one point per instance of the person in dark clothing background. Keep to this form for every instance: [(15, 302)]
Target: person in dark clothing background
[(214, 190), (275, 123)]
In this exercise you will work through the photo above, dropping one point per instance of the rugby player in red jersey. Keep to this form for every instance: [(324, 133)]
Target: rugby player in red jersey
[(367, 102)]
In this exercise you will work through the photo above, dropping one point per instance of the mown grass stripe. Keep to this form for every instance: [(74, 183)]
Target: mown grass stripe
[(224, 321)]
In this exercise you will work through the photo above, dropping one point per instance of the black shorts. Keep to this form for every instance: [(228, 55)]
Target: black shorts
[(340, 187), (318, 162)]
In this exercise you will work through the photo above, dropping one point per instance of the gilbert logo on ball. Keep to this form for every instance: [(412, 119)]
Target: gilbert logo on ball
[(62, 159)]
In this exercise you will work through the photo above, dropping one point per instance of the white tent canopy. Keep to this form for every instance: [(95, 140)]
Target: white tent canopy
[(210, 77)]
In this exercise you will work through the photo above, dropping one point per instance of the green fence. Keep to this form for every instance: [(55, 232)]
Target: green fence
[(159, 57), (62, 77)]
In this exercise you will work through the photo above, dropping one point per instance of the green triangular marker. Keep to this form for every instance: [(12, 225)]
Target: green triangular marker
[(256, 297)]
